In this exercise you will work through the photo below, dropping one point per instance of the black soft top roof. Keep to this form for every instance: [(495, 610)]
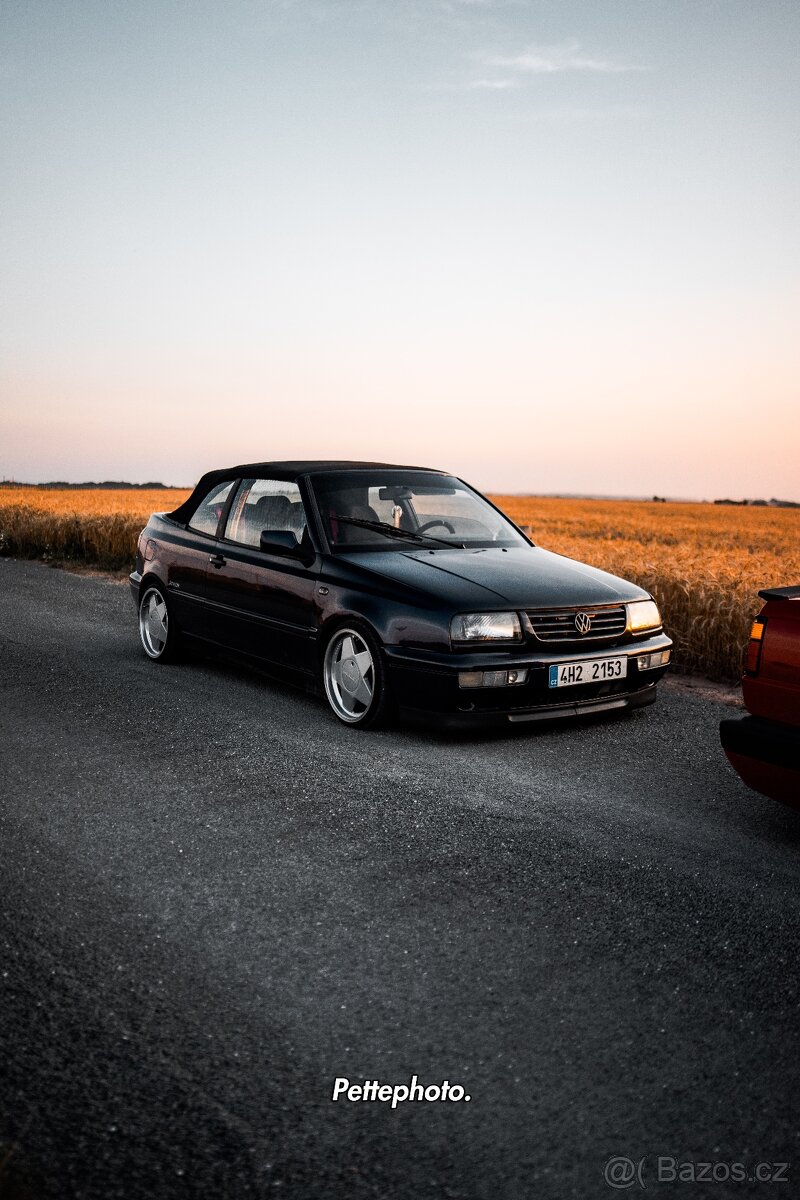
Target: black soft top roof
[(288, 471)]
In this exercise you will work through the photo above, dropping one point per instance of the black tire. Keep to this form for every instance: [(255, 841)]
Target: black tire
[(354, 677), (158, 631)]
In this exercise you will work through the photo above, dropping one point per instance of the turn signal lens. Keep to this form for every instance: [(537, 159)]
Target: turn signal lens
[(475, 679), (646, 662), (753, 657)]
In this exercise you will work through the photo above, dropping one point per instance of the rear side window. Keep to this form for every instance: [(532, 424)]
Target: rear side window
[(208, 512)]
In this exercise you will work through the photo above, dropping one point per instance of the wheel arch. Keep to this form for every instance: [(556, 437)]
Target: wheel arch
[(340, 620), (152, 577)]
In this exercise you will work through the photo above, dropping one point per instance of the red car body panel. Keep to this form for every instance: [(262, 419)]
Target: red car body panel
[(779, 783), (764, 748), (774, 692)]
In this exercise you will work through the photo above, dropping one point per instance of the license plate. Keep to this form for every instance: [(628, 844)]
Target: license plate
[(591, 670)]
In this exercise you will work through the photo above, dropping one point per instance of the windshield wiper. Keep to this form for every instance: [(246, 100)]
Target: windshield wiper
[(391, 531)]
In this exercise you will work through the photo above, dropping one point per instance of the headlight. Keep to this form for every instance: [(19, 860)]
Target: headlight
[(486, 627), (643, 614)]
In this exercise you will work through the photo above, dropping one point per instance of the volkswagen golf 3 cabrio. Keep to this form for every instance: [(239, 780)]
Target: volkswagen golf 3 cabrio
[(392, 590)]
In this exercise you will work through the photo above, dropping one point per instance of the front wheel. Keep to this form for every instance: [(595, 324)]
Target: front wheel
[(159, 634), (354, 677)]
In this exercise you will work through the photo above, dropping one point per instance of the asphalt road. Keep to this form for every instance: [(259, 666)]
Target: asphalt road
[(214, 901)]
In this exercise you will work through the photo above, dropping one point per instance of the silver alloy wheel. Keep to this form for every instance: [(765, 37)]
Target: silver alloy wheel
[(153, 623), (349, 676)]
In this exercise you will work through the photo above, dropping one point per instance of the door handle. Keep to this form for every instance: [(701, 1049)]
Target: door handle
[(217, 561)]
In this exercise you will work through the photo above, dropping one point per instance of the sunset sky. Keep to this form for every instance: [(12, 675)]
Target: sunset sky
[(551, 246)]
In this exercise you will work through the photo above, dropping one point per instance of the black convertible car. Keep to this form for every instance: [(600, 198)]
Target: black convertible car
[(392, 589)]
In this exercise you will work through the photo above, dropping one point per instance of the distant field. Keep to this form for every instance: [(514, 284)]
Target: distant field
[(94, 502), (704, 563)]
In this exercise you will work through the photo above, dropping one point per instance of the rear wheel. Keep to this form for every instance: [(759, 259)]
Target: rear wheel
[(354, 677), (159, 633)]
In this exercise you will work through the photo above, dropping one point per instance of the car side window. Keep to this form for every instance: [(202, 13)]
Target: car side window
[(261, 504), (208, 512)]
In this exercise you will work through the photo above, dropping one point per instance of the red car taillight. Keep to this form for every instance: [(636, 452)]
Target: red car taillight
[(753, 657)]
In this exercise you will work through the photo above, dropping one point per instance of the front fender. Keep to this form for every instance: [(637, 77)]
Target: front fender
[(394, 623)]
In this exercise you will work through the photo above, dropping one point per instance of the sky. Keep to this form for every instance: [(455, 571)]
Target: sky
[(549, 246)]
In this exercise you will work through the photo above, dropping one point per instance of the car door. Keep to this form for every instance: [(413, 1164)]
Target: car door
[(259, 603), (187, 564)]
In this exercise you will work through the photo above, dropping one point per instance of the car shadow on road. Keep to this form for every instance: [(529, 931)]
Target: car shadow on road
[(415, 730)]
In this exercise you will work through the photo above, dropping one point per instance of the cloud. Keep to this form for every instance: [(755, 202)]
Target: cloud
[(494, 84), (506, 72), (567, 56)]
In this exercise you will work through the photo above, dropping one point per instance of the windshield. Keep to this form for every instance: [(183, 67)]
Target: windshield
[(398, 510)]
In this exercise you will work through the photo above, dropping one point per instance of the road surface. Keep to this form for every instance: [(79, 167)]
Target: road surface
[(215, 901)]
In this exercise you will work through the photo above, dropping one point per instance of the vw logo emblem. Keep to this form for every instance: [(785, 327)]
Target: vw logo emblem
[(583, 622)]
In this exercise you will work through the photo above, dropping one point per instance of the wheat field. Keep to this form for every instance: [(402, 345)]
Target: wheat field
[(95, 527), (703, 563)]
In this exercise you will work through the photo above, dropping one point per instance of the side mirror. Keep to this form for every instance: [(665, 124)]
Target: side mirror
[(282, 542), (279, 541)]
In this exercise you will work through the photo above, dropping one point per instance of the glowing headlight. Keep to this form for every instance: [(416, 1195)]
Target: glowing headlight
[(643, 614), (486, 627)]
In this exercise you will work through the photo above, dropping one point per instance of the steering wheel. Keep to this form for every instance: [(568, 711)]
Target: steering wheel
[(430, 525)]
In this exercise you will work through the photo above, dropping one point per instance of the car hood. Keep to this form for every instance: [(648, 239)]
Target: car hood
[(527, 577)]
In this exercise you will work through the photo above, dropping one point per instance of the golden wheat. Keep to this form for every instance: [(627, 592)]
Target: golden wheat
[(95, 502), (97, 527), (703, 563)]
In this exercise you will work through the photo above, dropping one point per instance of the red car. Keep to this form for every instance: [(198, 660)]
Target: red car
[(764, 747)]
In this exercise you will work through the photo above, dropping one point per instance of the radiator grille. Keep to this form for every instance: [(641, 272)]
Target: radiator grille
[(558, 624)]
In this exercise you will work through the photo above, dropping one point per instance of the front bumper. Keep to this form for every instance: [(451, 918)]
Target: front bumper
[(766, 756), (427, 685)]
